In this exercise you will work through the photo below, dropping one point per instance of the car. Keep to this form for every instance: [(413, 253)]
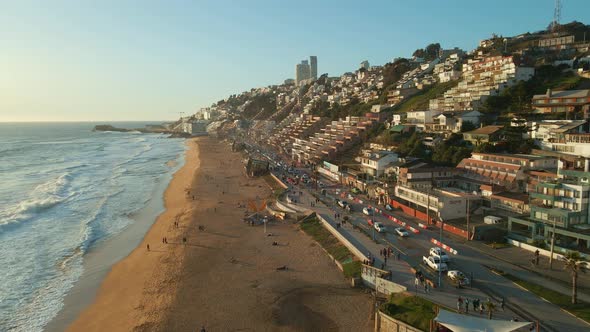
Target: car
[(342, 204), (379, 227), (458, 277), (438, 252), (434, 263), (355, 190), (368, 211), (401, 232), (388, 207)]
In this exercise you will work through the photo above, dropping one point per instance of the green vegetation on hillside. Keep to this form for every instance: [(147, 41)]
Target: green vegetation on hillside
[(412, 310), (420, 100)]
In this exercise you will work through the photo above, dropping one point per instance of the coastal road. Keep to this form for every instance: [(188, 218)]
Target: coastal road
[(468, 260)]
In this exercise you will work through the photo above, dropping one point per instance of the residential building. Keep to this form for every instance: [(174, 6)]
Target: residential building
[(482, 77), (562, 101), (565, 136), (440, 204), (487, 134), (397, 95), (313, 62), (302, 72), (365, 64), (421, 118), (510, 171), (556, 42), (561, 207), (375, 163), (421, 176), (452, 122)]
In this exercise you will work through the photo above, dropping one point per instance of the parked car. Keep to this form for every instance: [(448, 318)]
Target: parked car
[(371, 222), (438, 252), (401, 232), (355, 190), (388, 207), (379, 227), (368, 211), (434, 263), (458, 277), (342, 204)]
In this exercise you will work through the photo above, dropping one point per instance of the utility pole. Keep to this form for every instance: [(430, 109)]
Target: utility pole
[(440, 260), (468, 213), (552, 245)]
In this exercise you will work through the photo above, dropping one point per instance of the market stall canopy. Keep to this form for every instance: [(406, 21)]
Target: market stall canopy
[(464, 323)]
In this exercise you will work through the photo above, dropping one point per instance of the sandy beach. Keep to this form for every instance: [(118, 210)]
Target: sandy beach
[(224, 277)]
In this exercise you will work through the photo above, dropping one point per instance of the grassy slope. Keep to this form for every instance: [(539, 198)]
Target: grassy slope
[(411, 310), (420, 100)]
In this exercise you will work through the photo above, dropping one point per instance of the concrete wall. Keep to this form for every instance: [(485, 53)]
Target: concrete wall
[(342, 239), (385, 323), (281, 183)]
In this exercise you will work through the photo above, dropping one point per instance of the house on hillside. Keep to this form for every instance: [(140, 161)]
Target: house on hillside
[(487, 134), (562, 101), (375, 163)]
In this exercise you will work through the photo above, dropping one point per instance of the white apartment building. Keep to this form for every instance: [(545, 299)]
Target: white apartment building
[(443, 204), (375, 163), (481, 77)]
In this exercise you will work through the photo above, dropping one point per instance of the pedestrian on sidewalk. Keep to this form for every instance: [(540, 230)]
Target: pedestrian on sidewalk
[(426, 287), (475, 303), (385, 259), (466, 305), (416, 282), (459, 304), (502, 304)]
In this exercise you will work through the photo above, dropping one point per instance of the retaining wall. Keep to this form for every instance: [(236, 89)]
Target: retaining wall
[(342, 239), (385, 323)]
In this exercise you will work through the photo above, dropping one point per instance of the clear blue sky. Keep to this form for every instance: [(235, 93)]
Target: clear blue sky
[(148, 60)]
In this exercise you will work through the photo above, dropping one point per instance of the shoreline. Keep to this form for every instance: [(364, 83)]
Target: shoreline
[(101, 281)]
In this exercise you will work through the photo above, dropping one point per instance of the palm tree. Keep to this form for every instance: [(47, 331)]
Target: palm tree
[(490, 307), (574, 264)]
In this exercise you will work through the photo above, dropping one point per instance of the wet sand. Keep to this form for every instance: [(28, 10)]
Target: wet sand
[(224, 278)]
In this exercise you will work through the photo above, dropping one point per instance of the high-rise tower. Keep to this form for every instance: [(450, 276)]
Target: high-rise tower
[(313, 61)]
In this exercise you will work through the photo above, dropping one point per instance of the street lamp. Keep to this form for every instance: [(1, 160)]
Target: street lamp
[(552, 245)]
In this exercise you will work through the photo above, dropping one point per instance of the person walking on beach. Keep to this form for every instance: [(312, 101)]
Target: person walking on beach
[(184, 240), (148, 247)]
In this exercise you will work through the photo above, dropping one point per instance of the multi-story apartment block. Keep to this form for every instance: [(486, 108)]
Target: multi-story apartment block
[(375, 163), (421, 176), (481, 77), (506, 170), (561, 207), (334, 138), (441, 204), (565, 136), (562, 101)]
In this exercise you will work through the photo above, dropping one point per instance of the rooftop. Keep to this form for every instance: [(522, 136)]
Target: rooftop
[(485, 130), (564, 94)]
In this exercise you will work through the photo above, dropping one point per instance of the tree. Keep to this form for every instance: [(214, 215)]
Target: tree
[(574, 264)]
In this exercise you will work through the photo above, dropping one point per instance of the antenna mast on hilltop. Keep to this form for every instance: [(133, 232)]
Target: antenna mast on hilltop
[(556, 15)]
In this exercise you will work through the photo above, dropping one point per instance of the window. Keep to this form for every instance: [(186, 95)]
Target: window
[(576, 194)]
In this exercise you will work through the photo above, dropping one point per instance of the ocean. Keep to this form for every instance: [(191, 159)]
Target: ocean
[(63, 191)]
